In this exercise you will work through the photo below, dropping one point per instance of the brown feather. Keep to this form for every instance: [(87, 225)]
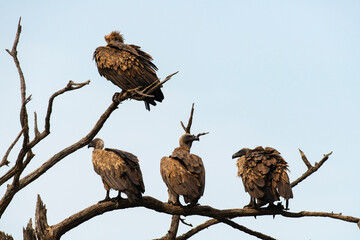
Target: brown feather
[(120, 171), (264, 174), (184, 174), (127, 66)]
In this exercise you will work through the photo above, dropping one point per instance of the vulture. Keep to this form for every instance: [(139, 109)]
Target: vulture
[(264, 175), (183, 172), (127, 66), (119, 170)]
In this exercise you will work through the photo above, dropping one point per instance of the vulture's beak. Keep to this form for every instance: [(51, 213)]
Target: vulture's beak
[(196, 138), (240, 153), (90, 145)]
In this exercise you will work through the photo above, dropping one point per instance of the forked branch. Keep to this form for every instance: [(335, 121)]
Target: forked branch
[(311, 169), (188, 127)]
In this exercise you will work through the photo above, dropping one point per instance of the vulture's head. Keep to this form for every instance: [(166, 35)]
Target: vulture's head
[(114, 37), (187, 139), (96, 143), (241, 153)]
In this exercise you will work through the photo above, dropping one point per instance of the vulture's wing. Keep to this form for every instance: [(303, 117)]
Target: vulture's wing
[(124, 68), (116, 173), (192, 162), (279, 177), (253, 180), (132, 169), (178, 179), (264, 174)]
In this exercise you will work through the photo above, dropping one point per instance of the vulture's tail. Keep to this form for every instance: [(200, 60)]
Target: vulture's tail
[(132, 197), (158, 96)]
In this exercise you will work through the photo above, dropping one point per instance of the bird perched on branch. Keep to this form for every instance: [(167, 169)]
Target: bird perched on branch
[(119, 170), (264, 175), (128, 67), (184, 172)]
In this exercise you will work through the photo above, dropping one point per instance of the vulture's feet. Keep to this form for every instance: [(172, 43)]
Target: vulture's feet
[(118, 97), (193, 205), (278, 207), (118, 198)]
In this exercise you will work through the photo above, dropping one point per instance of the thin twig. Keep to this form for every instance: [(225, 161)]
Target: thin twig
[(246, 230), (202, 134), (36, 129), (141, 95), (5, 160), (69, 87), (197, 229), (185, 223), (23, 112)]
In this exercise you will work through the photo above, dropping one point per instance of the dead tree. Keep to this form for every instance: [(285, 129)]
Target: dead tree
[(42, 230)]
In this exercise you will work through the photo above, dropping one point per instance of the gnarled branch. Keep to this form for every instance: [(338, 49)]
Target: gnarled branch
[(151, 203)]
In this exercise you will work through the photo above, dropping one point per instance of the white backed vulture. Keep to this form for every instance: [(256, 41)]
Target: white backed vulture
[(119, 170), (127, 66), (264, 175)]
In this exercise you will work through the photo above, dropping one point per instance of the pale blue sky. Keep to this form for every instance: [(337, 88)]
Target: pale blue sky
[(283, 74)]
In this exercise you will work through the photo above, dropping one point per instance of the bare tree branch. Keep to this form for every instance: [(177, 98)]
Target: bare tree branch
[(197, 229), (41, 223), (81, 143), (36, 129), (4, 236), (246, 230), (151, 203), (23, 112), (188, 127), (304, 158), (69, 87), (72, 148), (211, 222), (171, 234), (5, 160), (310, 170), (38, 137), (29, 232)]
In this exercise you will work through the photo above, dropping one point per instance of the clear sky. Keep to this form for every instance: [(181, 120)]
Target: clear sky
[(283, 74)]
